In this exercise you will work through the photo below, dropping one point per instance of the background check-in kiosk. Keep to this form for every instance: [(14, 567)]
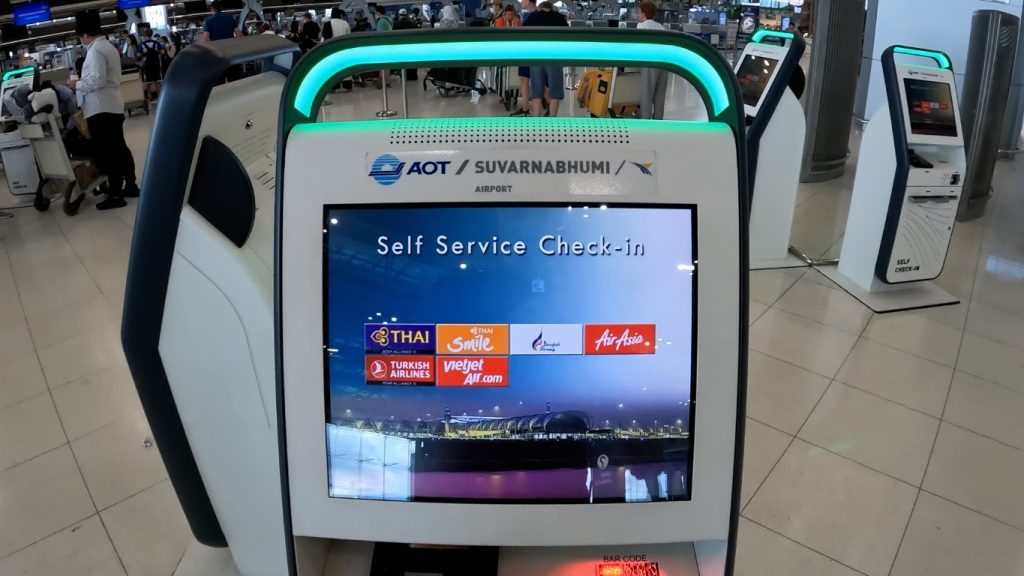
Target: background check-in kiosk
[(521, 356), (775, 139), (907, 188), (15, 151)]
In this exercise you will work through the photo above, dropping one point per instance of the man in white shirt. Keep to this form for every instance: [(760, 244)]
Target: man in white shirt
[(337, 25), (653, 81), (99, 96)]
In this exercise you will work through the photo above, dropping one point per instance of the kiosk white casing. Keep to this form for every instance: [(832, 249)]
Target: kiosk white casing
[(775, 147), (672, 152), (901, 215)]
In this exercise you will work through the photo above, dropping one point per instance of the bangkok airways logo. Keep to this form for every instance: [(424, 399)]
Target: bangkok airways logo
[(538, 343), (386, 169), (644, 167)]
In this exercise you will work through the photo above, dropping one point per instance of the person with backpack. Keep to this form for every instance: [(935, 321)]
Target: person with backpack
[(337, 26), (384, 22), (152, 58)]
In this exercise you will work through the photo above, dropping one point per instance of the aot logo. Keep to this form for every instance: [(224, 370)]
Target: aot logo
[(399, 338), (619, 338), (388, 169)]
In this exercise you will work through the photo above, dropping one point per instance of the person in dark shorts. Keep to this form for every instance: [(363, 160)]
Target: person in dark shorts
[(529, 7), (152, 60), (549, 77)]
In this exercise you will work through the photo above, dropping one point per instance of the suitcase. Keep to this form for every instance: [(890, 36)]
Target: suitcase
[(594, 91), (608, 92)]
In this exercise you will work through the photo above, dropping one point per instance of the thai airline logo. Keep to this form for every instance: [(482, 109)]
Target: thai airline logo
[(400, 370), (619, 338), (644, 167), (472, 339), (546, 339), (399, 338), (473, 371), (386, 169)]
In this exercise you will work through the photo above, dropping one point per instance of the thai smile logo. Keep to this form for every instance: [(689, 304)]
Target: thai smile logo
[(380, 336)]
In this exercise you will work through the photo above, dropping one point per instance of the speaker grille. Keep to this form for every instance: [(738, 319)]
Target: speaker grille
[(510, 131)]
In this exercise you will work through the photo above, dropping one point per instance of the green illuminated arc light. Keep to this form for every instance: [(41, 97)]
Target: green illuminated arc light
[(939, 57), (763, 33), (18, 72), (363, 126), (552, 50)]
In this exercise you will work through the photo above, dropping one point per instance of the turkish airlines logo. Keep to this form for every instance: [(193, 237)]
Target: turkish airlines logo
[(378, 369), (619, 338), (400, 370)]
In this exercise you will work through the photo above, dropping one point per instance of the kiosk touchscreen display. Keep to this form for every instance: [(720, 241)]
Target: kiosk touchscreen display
[(930, 105), (754, 74), (510, 353)]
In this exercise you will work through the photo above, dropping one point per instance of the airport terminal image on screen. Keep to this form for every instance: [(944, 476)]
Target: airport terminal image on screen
[(507, 353)]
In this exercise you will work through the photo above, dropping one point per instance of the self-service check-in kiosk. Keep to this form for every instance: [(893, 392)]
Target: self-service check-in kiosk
[(16, 152), (907, 188), (774, 142), (502, 346)]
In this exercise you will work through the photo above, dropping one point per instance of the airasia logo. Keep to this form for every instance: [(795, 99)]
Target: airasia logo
[(619, 338)]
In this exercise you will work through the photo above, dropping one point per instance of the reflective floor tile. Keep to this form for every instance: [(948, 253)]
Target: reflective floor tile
[(20, 379), (944, 539), (70, 320), (39, 498), (761, 552), (978, 473), (15, 342), (835, 506), (82, 355), (986, 408), (879, 434), (755, 310), (44, 288), (762, 449), (781, 394), (97, 400), (149, 531), (996, 324), (830, 306), (116, 461), (803, 342), (899, 376), (81, 550), (917, 335), (767, 285), (28, 429), (993, 361)]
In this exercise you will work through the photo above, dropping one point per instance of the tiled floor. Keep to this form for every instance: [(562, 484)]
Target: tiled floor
[(877, 445)]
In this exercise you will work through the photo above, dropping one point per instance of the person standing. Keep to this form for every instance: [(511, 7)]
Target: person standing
[(529, 7), (152, 59), (384, 22), (653, 81), (508, 18), (549, 77), (337, 25), (309, 36), (99, 96), (219, 26)]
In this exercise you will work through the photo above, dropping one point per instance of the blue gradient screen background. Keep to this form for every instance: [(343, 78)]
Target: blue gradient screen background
[(363, 286)]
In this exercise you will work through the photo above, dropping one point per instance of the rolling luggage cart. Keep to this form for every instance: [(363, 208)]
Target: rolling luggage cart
[(132, 93), (449, 81), (55, 164)]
